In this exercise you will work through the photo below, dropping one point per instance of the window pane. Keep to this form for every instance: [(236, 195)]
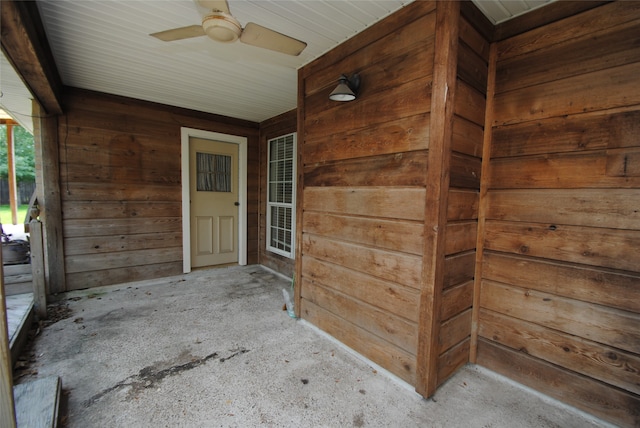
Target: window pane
[(281, 185), (213, 172)]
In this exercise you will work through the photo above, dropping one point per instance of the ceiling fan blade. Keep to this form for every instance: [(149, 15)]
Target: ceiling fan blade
[(216, 5), (179, 33), (257, 35)]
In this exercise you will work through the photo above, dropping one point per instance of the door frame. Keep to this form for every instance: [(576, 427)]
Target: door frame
[(185, 134)]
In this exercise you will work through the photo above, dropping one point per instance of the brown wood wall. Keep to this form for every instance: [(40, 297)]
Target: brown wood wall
[(121, 187), (362, 189), (283, 124), (560, 287)]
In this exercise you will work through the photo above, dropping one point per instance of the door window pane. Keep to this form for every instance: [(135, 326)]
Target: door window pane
[(213, 172)]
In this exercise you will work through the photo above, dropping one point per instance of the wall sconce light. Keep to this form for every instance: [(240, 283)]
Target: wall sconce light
[(347, 89)]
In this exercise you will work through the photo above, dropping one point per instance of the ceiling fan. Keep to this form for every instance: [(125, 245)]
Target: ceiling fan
[(221, 26)]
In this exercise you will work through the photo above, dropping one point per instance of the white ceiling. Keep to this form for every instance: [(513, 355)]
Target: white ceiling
[(104, 45)]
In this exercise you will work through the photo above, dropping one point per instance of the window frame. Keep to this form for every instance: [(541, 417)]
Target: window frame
[(292, 205)]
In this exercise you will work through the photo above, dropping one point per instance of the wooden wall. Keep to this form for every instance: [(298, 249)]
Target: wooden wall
[(559, 303), (361, 189), (121, 188), (283, 124)]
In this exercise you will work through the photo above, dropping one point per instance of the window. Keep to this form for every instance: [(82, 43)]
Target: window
[(214, 172), (281, 195)]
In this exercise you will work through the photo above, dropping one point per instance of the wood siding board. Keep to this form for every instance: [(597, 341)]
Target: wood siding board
[(402, 236), (609, 208), (393, 329), (579, 25), (400, 268), (457, 299), (393, 202), (399, 169), (589, 284), (557, 171), (577, 133), (473, 38), (612, 327), (386, 295), (122, 259), (598, 50), (465, 171), (397, 361), (472, 68), (601, 400), (123, 226), (459, 268), (120, 192), (592, 359), (122, 275), (463, 205), (454, 330), (623, 162), (114, 243), (121, 209), (396, 136), (460, 237), (612, 248), (450, 361), (598, 90), (467, 137), (469, 104)]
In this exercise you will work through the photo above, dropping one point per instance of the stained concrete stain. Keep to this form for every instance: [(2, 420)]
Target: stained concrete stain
[(149, 376)]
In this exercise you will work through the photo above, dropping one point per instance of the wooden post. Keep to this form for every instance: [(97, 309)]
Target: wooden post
[(45, 137), (11, 173), (37, 268), (7, 409), (482, 209), (440, 135)]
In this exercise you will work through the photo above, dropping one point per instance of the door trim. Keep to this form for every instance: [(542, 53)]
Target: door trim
[(185, 134)]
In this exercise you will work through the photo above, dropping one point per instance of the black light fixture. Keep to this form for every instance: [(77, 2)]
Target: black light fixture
[(347, 89)]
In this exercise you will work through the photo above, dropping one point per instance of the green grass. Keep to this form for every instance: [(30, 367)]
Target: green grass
[(5, 214)]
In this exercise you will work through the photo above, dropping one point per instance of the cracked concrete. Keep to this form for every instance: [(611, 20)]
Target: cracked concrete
[(214, 349)]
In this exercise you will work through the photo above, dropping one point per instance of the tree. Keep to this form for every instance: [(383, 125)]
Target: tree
[(24, 154)]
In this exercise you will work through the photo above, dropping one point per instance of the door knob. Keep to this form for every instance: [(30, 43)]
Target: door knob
[(237, 204)]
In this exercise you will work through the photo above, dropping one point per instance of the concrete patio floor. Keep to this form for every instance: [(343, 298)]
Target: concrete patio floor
[(214, 349)]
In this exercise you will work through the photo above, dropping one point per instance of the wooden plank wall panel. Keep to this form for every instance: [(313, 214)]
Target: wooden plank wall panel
[(283, 124), (462, 207), (561, 272), (363, 165), (121, 186)]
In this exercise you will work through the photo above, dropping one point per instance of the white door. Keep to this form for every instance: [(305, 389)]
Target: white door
[(213, 189)]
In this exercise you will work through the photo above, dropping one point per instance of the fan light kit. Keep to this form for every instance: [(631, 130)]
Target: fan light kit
[(221, 26)]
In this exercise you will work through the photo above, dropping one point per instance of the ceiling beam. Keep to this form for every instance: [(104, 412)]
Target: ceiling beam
[(25, 46)]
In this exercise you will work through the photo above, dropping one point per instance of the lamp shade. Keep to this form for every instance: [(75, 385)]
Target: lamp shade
[(343, 91)]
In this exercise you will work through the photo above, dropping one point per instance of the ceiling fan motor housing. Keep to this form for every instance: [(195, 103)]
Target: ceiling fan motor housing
[(222, 27)]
